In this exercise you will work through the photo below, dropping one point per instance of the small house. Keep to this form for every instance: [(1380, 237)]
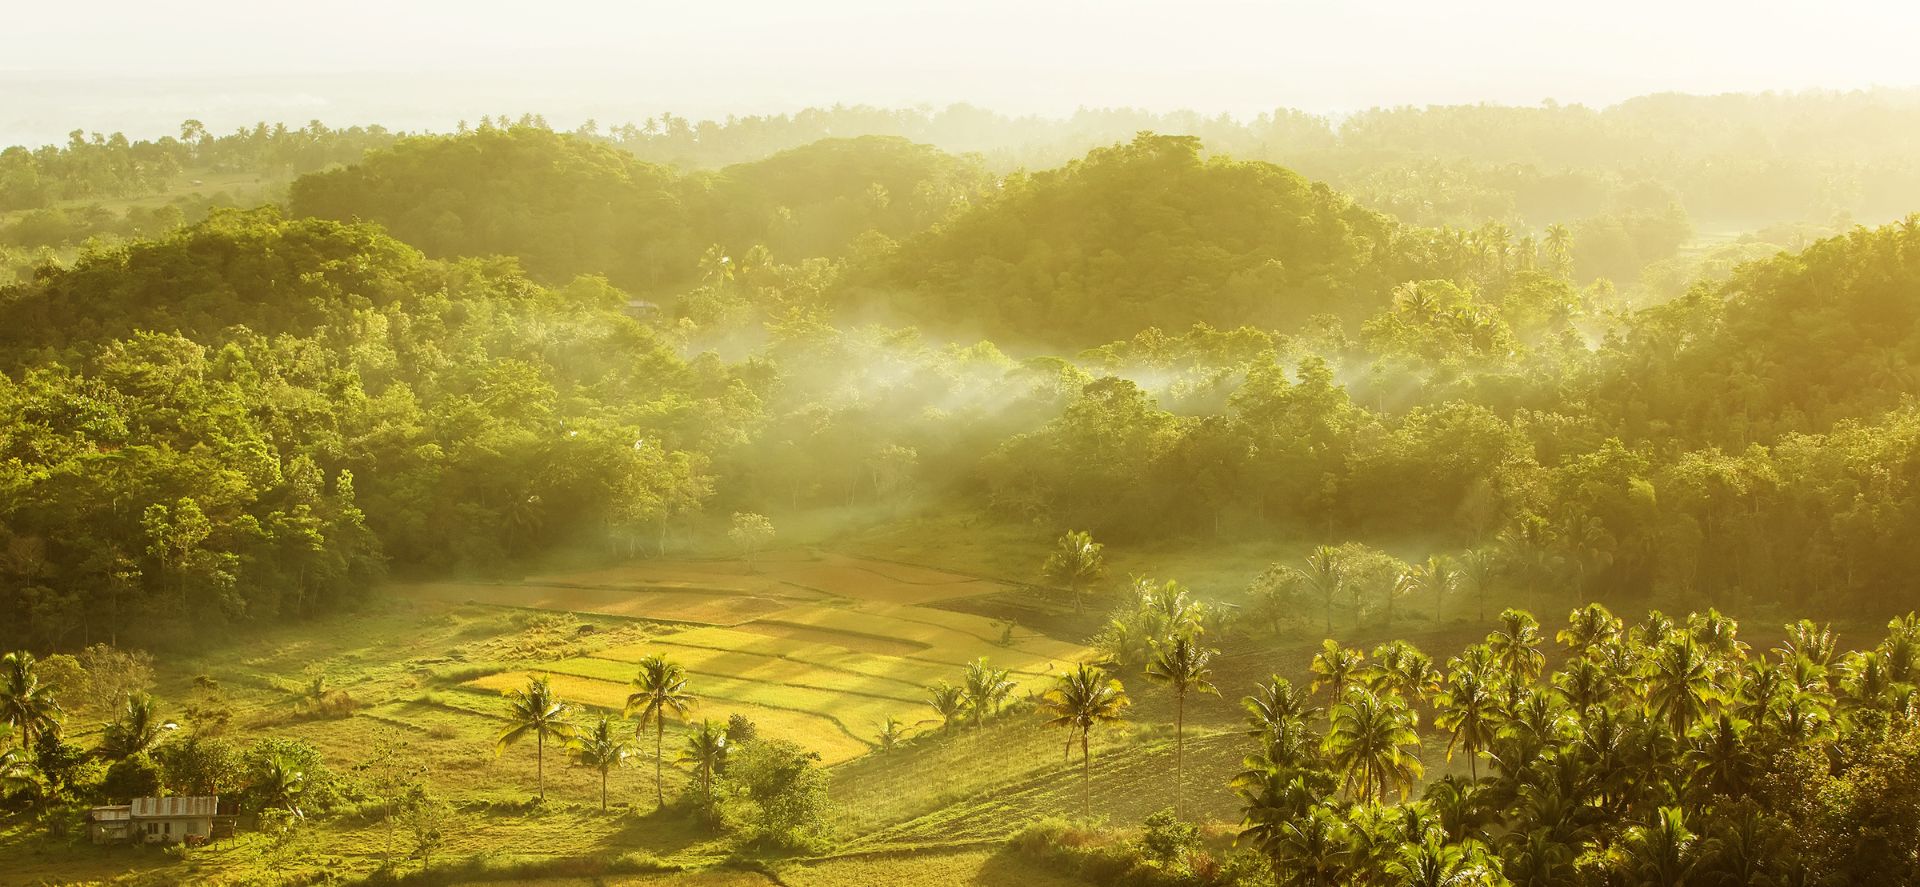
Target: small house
[(641, 309), (181, 819), (112, 824)]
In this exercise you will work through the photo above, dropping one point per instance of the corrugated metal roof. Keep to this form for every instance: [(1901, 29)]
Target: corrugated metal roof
[(110, 812), (147, 808)]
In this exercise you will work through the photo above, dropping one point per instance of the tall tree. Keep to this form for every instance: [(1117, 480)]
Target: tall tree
[(706, 752), (535, 710), (1079, 701), (660, 691), (1372, 740), (603, 747), (1077, 562), (26, 702), (1185, 667)]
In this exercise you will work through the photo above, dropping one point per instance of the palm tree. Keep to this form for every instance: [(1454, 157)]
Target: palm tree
[(1277, 716), (891, 732), (1429, 861), (1469, 714), (1437, 575), (135, 730), (1372, 740), (1679, 684), (1662, 852), (1401, 669), (1325, 574), (1516, 644), (1312, 850), (1589, 629), (986, 687), (660, 690), (1334, 667), (1559, 245), (950, 701), (706, 751), (1076, 563), (1186, 667), (603, 747), (25, 701), (1478, 569), (1079, 701), (17, 774), (538, 711), (281, 782)]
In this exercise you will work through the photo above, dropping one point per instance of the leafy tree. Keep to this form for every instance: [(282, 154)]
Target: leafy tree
[(784, 790), (750, 532)]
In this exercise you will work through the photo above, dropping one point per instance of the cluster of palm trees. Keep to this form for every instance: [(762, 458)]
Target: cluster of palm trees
[(1662, 753), (660, 693), (30, 713), (1161, 633)]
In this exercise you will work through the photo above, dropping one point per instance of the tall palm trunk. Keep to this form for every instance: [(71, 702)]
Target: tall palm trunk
[(659, 737), (1086, 777), (540, 762), (1179, 752)]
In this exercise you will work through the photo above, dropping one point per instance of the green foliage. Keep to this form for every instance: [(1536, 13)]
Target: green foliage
[(136, 776), (778, 790), (1152, 232)]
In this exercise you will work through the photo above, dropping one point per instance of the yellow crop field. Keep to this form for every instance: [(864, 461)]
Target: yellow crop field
[(673, 605), (986, 866)]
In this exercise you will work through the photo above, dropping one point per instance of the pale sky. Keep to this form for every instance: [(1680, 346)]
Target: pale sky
[(140, 66)]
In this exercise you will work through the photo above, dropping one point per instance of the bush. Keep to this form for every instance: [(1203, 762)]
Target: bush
[(128, 778)]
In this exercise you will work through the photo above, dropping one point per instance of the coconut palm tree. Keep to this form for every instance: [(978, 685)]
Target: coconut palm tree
[(1077, 563), (1372, 740), (1469, 712), (1478, 570), (1312, 850), (986, 687), (950, 701), (1589, 629), (535, 710), (1401, 669), (603, 747), (26, 701), (1277, 715), (280, 783), (1516, 644), (1679, 684), (18, 775), (660, 691), (706, 752), (1185, 667), (1325, 574), (1079, 701), (1334, 667), (892, 730), (1662, 852), (135, 730), (1437, 576)]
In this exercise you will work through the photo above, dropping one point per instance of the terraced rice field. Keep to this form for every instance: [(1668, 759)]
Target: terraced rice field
[(819, 650)]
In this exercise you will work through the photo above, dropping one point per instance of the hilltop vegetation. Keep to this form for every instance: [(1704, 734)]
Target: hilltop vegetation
[(501, 368)]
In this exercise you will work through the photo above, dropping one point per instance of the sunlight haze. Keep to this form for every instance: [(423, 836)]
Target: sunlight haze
[(428, 64)]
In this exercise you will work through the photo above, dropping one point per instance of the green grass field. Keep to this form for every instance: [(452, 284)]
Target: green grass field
[(426, 668)]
